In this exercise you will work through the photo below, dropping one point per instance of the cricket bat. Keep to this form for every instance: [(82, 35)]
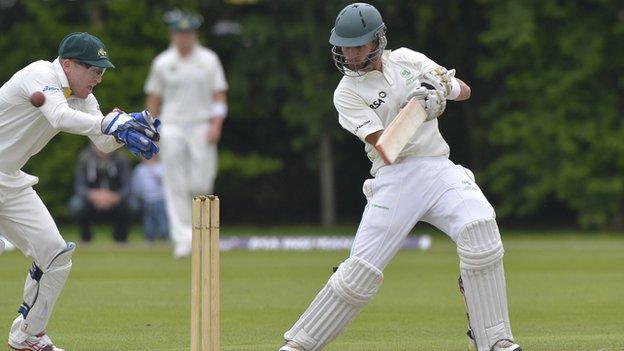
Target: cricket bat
[(400, 130)]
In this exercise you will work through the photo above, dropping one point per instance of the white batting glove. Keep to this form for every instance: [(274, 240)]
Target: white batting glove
[(419, 93), (434, 104), (430, 99), (440, 79)]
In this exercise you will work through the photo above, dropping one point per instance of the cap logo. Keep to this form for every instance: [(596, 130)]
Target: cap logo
[(184, 24), (102, 53)]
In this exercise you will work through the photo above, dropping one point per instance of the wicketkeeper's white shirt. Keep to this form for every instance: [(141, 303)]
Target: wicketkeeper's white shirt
[(185, 85), (369, 103), (25, 129)]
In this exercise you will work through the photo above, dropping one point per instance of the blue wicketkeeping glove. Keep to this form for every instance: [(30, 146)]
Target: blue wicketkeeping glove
[(144, 117), (138, 137)]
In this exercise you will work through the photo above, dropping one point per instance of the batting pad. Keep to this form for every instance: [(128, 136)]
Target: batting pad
[(348, 290), (42, 289), (481, 264)]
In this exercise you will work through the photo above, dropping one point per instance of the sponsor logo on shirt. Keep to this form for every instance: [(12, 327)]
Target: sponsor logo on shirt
[(408, 76), (361, 125), (49, 88), (375, 105)]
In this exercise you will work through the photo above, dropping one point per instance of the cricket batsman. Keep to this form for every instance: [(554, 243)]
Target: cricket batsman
[(28, 121), (422, 185)]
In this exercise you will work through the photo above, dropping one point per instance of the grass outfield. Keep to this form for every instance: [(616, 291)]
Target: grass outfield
[(566, 293)]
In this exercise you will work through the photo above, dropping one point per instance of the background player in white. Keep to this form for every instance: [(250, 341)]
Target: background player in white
[(69, 106), (423, 184), (186, 88)]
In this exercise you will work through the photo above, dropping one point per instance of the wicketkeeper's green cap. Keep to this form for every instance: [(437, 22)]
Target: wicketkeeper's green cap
[(84, 47)]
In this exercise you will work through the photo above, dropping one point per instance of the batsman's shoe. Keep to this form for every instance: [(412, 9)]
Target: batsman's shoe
[(501, 345), (40, 342), (291, 346), (506, 345)]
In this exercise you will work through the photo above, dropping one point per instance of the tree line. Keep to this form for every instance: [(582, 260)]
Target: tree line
[(542, 130)]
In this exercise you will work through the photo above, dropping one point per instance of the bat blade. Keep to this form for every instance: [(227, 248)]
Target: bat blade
[(400, 130)]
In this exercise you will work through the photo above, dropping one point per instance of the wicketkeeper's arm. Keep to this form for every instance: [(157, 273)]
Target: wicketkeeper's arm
[(66, 119), (104, 143)]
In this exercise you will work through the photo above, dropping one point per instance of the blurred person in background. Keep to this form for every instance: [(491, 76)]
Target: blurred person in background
[(186, 89), (147, 189), (102, 192), (421, 185), (65, 104)]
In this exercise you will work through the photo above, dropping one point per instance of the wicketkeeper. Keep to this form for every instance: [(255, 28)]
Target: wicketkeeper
[(69, 106), (422, 185)]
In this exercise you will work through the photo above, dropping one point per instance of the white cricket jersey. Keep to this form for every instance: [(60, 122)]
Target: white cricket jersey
[(25, 129), (185, 85), (368, 103)]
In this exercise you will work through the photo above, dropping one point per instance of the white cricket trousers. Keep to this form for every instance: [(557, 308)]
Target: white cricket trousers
[(26, 222), (429, 189), (189, 169)]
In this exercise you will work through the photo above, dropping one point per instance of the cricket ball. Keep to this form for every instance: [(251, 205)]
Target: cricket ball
[(37, 99)]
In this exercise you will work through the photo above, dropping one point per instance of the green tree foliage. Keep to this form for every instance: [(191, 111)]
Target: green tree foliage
[(542, 127), (553, 74)]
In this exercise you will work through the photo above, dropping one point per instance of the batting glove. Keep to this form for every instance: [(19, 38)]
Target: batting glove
[(440, 79), (430, 99)]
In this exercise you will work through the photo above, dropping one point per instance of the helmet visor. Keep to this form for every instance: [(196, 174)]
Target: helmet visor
[(360, 67)]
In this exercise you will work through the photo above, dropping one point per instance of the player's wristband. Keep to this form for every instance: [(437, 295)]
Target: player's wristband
[(455, 90), (219, 109)]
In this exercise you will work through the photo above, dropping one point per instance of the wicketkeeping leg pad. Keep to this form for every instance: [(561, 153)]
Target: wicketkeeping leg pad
[(348, 290), (41, 290)]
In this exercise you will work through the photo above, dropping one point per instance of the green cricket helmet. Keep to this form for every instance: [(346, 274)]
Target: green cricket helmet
[(356, 25)]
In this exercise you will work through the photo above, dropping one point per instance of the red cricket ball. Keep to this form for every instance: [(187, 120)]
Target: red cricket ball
[(37, 99)]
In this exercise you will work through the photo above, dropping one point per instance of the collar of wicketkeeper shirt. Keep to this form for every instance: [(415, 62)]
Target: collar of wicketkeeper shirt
[(58, 69)]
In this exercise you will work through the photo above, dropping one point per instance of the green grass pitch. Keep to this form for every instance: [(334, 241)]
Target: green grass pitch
[(566, 292)]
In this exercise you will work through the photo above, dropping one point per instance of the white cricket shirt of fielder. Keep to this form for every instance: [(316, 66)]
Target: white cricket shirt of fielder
[(25, 129), (186, 84), (368, 103)]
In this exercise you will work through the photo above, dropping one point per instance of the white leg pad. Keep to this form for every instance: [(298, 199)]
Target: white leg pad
[(481, 264), (41, 290), (348, 290)]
